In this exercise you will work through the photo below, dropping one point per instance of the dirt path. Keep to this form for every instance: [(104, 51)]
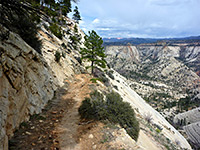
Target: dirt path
[(56, 127), (67, 130), (59, 127)]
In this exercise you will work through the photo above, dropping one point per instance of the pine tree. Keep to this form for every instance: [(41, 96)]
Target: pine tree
[(17, 17), (76, 15), (76, 38), (65, 7), (49, 3), (93, 51)]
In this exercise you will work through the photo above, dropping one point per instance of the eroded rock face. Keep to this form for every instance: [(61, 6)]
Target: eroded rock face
[(190, 122), (28, 80), (161, 74), (193, 132), (26, 85), (188, 117)]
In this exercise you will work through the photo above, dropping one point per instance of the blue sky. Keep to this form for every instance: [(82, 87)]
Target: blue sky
[(141, 18)]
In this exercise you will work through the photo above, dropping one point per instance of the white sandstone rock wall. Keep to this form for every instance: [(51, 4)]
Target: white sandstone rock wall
[(26, 85)]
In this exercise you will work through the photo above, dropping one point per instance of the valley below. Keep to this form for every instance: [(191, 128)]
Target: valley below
[(166, 77)]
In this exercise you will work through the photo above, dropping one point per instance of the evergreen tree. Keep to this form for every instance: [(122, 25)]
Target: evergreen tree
[(49, 3), (93, 51), (18, 17), (76, 38), (76, 15), (65, 7)]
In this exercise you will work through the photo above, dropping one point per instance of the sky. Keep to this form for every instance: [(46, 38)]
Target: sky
[(141, 18)]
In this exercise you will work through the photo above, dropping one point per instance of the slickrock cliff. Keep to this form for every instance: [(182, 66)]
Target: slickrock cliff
[(28, 80), (142, 109), (26, 84)]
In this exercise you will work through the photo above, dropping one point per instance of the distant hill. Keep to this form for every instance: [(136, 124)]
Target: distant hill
[(137, 41)]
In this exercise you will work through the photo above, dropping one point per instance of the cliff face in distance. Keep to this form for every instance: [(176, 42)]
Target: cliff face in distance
[(166, 76), (171, 70)]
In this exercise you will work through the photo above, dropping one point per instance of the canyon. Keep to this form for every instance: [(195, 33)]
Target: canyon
[(165, 76)]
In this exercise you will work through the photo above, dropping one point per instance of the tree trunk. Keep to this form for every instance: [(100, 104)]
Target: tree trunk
[(92, 67)]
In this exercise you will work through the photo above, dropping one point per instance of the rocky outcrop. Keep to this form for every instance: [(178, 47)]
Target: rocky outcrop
[(190, 122), (26, 85), (28, 80), (193, 133), (187, 117), (123, 52)]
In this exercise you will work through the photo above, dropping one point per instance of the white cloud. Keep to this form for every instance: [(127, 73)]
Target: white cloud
[(96, 21), (169, 2), (104, 29), (148, 18)]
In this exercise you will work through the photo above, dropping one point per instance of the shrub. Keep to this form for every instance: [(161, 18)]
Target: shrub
[(78, 59), (50, 12), (57, 56), (112, 109), (122, 113), (22, 21), (158, 130), (56, 30), (63, 45), (110, 74), (98, 73), (93, 108), (148, 117), (63, 55)]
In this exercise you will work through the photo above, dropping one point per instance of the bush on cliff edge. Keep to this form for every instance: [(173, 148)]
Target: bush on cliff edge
[(113, 109)]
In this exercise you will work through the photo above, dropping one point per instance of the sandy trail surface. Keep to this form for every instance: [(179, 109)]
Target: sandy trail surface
[(67, 130)]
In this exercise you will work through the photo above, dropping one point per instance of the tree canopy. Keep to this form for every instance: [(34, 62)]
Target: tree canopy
[(20, 18), (75, 38), (93, 51), (76, 15)]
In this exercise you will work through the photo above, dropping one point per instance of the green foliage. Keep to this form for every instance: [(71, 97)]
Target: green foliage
[(63, 55), (50, 12), (76, 38), (163, 95), (56, 30), (67, 7), (100, 74), (93, 108), (110, 74), (186, 103), (112, 109), (63, 45), (94, 80), (134, 75), (76, 15), (22, 20), (158, 130), (34, 3), (93, 51), (49, 2), (57, 56)]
